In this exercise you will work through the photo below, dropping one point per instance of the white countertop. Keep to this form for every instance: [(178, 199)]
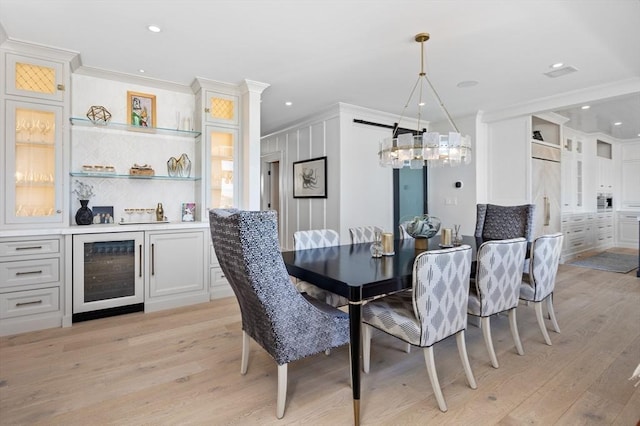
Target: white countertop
[(98, 229)]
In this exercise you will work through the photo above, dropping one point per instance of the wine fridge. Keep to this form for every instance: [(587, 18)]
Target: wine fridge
[(107, 274)]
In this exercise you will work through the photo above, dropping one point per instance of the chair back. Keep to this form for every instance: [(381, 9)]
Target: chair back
[(543, 264), (315, 238), (495, 222), (363, 234), (404, 235), (499, 274), (273, 312), (440, 292)]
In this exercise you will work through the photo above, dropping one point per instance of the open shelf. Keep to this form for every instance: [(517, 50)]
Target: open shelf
[(85, 122), (119, 176)]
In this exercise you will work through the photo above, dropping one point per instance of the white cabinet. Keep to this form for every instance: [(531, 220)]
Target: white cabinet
[(630, 193), (176, 268), (221, 108), (572, 172), (31, 277), (35, 102), (627, 227), (578, 234), (606, 175), (604, 235)]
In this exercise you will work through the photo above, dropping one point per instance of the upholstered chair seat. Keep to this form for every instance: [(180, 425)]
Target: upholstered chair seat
[(538, 284), (496, 287), (274, 314), (434, 309)]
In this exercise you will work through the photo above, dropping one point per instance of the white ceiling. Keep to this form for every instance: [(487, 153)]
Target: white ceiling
[(315, 53)]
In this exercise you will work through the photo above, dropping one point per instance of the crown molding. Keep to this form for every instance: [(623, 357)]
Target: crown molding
[(133, 79)]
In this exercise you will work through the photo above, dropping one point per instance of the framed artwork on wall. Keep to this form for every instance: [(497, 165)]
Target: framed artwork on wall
[(310, 178), (141, 109)]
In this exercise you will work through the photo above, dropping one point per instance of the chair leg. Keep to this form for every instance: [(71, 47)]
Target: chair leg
[(244, 363), (540, 317), (462, 350), (407, 348), (552, 313), (514, 331), (486, 332), (366, 347), (282, 390), (433, 377)]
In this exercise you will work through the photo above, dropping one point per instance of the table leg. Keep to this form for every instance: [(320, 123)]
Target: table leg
[(355, 319)]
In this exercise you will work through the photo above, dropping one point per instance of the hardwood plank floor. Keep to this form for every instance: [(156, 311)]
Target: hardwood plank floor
[(182, 366)]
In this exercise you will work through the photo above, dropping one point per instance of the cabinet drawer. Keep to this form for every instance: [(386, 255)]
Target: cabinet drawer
[(29, 302), (25, 272), (217, 277), (23, 248)]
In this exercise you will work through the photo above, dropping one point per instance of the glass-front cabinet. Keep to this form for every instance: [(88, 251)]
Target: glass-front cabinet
[(33, 159), (36, 78), (223, 167)]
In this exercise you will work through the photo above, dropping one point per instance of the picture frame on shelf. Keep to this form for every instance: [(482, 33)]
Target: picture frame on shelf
[(310, 178), (102, 215), (188, 212), (141, 110)]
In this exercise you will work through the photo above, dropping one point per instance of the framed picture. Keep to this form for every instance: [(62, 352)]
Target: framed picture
[(188, 212), (102, 215), (141, 109), (310, 178)]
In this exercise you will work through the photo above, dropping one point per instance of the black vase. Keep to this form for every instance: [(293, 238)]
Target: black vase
[(84, 215)]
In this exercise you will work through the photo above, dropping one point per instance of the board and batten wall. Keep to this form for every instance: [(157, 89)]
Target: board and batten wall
[(359, 191)]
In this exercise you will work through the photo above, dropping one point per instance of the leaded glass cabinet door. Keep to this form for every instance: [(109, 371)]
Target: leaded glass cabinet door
[(35, 78), (33, 163), (221, 109)]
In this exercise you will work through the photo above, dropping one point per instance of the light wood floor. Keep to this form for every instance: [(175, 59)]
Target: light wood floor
[(182, 367)]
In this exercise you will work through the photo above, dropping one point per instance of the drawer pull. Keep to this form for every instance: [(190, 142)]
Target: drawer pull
[(29, 248), (29, 273), (35, 302)]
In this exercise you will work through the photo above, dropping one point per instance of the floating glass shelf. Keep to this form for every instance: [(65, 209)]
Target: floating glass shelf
[(117, 176), (85, 122)]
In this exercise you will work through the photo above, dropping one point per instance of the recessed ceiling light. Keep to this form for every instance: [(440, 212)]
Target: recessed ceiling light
[(617, 123), (288, 103), (467, 83), (556, 65), (154, 28), (141, 70), (585, 107)]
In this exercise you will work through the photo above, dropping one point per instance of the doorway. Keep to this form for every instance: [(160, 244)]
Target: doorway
[(270, 188)]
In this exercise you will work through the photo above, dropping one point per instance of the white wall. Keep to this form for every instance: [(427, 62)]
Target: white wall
[(455, 206)]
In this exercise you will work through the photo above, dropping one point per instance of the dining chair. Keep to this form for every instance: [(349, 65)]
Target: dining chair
[(404, 235), (364, 234), (434, 309), (496, 287), (286, 324), (538, 284), (494, 222), (318, 238)]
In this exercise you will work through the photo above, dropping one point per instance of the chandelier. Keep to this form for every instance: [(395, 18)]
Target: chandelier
[(419, 148)]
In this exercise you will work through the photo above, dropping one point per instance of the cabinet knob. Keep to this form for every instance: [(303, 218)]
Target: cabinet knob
[(60, 87)]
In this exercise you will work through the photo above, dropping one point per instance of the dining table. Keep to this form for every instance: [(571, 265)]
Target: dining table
[(352, 272)]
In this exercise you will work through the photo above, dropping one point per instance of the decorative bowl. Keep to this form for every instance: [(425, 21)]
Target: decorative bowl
[(423, 226)]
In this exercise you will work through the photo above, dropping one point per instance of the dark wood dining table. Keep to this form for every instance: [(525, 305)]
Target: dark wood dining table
[(350, 271)]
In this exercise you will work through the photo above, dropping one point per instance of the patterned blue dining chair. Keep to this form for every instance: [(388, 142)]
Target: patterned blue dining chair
[(538, 284), (433, 310), (496, 287), (287, 325), (364, 234), (494, 222), (317, 238)]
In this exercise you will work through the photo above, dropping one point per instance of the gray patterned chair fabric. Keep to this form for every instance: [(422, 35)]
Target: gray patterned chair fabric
[(364, 234), (538, 285), (433, 310), (496, 286), (495, 222), (282, 321), (318, 238)]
